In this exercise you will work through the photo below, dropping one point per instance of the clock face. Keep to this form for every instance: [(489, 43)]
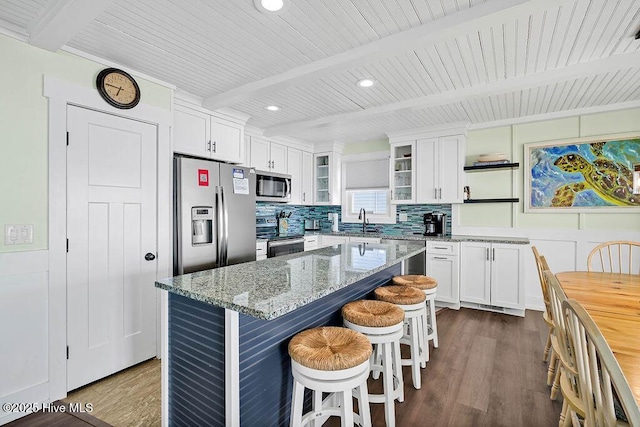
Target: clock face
[(118, 88)]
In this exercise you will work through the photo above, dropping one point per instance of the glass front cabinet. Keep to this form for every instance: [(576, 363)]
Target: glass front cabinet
[(403, 178)]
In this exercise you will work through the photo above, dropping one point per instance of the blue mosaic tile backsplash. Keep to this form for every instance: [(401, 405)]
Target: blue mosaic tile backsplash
[(413, 224)]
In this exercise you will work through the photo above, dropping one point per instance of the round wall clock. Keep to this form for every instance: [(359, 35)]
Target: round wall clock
[(118, 88)]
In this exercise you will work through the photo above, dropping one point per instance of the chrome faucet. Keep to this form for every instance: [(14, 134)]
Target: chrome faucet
[(362, 215)]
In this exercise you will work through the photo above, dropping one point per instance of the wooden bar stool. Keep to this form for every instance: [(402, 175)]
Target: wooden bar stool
[(429, 286), (411, 300), (382, 323), (331, 360)]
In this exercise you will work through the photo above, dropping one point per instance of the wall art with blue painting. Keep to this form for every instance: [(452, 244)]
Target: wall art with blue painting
[(583, 175)]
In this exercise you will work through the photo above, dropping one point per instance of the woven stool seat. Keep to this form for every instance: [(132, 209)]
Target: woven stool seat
[(416, 281), (372, 313), (329, 348), (403, 295)]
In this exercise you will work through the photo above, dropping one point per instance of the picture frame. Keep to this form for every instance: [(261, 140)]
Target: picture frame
[(593, 174)]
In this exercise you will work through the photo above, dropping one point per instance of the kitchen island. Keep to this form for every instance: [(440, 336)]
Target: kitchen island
[(228, 328)]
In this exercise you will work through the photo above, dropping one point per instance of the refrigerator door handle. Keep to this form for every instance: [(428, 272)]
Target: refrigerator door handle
[(220, 229), (225, 212)]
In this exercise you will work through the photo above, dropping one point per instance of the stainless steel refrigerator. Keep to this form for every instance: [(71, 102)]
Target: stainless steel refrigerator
[(214, 214)]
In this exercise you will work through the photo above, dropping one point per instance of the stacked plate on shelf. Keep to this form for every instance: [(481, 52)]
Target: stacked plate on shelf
[(491, 159)]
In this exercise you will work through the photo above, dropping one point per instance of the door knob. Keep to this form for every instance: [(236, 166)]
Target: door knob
[(149, 256)]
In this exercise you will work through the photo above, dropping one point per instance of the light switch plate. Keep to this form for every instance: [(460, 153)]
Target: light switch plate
[(403, 217), (18, 234)]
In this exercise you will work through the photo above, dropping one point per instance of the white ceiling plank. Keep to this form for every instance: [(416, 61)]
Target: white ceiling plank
[(625, 10), (589, 69), (61, 20), (430, 32)]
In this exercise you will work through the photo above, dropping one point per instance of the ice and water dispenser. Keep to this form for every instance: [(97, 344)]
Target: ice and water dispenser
[(201, 225)]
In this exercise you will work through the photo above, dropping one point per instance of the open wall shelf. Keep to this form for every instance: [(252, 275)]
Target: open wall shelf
[(505, 200), (488, 167)]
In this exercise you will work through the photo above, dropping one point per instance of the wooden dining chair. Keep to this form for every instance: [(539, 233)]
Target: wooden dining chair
[(546, 316), (605, 392), (567, 379), (615, 257)]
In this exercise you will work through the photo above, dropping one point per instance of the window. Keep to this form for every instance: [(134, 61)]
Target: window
[(373, 201), (366, 182)]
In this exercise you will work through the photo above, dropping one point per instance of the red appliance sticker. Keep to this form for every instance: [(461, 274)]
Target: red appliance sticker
[(203, 177)]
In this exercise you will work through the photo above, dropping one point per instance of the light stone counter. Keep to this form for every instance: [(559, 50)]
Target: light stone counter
[(421, 238), (270, 288)]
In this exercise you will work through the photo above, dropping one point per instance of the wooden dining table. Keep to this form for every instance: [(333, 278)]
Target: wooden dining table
[(613, 301)]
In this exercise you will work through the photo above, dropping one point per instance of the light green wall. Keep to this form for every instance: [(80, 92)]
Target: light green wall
[(23, 120), (366, 147), (510, 140)]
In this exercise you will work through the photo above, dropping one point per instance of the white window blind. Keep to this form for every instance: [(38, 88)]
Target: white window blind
[(367, 174), (373, 201)]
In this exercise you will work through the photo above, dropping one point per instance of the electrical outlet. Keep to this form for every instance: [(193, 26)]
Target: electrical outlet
[(403, 217), (19, 234)]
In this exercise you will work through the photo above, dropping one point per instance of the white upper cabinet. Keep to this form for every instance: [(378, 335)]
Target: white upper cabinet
[(204, 135), (327, 167), (440, 169), (427, 165), (191, 130), (268, 155), (307, 178), (294, 168), (403, 173), (227, 141)]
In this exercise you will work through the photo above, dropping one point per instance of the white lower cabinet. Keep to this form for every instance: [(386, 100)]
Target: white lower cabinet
[(364, 240), (443, 264), (330, 240), (261, 250), (311, 242), (491, 276)]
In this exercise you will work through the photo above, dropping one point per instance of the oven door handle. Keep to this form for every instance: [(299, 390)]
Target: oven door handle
[(285, 242)]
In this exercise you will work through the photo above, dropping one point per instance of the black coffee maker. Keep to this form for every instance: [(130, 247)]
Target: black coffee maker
[(435, 224)]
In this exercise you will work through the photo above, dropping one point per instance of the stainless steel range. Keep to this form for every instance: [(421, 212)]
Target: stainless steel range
[(284, 245)]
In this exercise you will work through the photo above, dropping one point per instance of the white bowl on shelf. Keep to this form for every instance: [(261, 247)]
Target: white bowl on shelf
[(493, 157)]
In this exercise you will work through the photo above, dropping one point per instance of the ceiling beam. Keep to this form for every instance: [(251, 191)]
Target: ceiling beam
[(415, 38), (590, 68), (63, 19)]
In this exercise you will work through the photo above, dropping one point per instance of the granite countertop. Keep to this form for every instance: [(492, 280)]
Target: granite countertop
[(272, 287), (420, 237)]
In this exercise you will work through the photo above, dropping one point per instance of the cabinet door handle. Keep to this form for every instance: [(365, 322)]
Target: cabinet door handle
[(435, 193), (304, 196), (209, 146), (493, 254), (214, 146), (438, 257), (439, 193), (391, 194), (439, 247), (273, 164), (487, 252)]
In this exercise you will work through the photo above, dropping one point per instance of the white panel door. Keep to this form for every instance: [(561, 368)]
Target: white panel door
[(445, 270), (260, 154), (307, 178), (507, 289), (427, 170), (227, 141), (475, 272), (294, 168), (278, 156), (191, 132), (450, 187), (111, 225)]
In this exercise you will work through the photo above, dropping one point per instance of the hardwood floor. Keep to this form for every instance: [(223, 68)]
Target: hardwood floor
[(127, 398), (488, 371)]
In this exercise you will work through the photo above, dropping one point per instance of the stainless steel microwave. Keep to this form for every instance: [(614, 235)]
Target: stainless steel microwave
[(273, 187)]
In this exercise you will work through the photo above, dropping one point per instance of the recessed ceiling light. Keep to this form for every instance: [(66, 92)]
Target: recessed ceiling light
[(366, 82), (272, 108), (269, 6)]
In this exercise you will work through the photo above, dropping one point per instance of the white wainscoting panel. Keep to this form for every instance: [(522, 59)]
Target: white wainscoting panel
[(565, 250), (24, 329)]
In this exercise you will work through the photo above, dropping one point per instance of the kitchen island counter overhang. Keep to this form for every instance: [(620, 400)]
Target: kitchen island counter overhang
[(229, 327)]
